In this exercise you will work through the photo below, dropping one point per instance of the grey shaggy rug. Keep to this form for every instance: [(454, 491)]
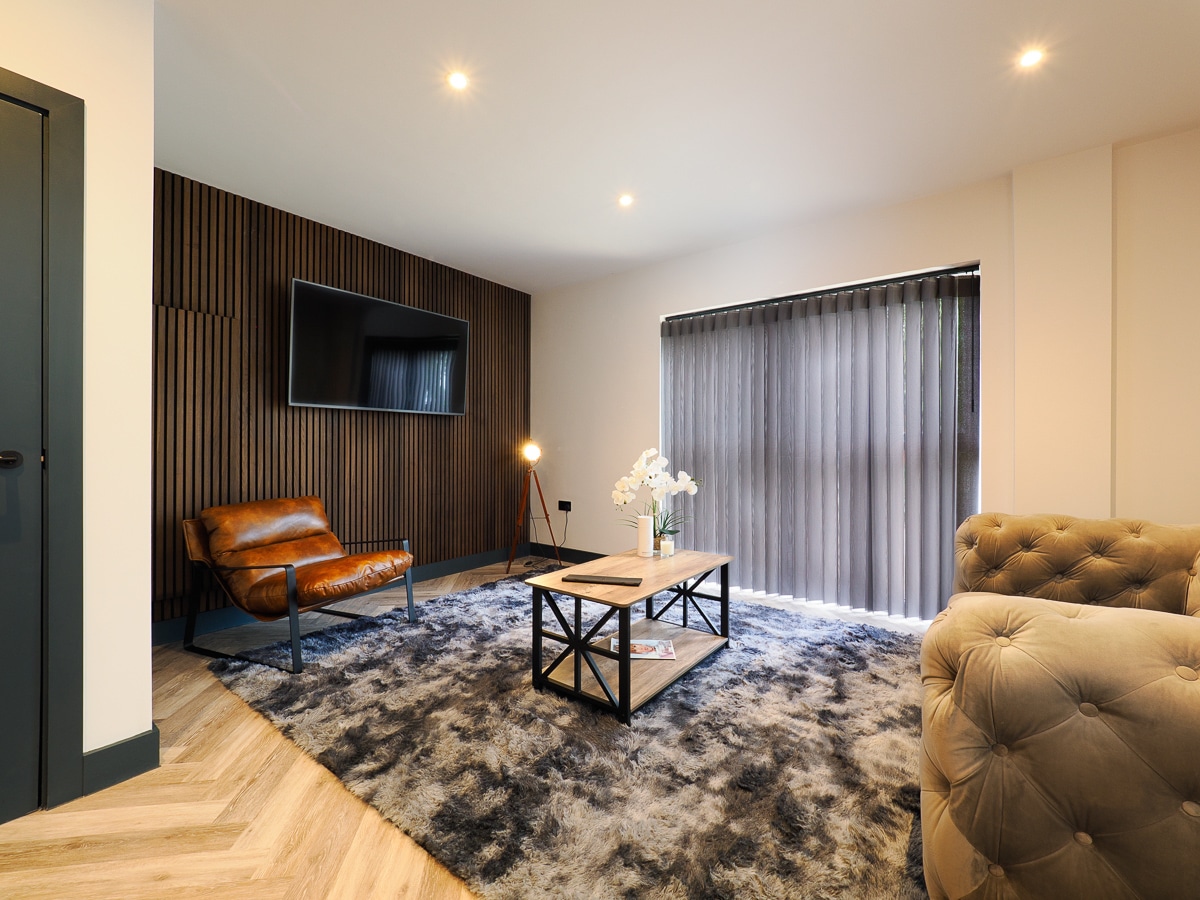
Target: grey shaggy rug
[(784, 766)]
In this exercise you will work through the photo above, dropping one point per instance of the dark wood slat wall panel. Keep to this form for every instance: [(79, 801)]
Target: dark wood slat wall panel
[(224, 432)]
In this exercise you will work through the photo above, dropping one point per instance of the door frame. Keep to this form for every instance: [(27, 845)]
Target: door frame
[(62, 424)]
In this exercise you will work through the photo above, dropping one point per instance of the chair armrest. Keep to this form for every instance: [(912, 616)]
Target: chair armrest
[(217, 568), (289, 571), (1058, 749), (195, 539)]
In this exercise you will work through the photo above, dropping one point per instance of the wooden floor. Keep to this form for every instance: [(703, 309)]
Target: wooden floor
[(234, 811)]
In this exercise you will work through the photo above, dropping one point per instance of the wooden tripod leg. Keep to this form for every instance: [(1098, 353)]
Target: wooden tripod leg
[(538, 483), (520, 519)]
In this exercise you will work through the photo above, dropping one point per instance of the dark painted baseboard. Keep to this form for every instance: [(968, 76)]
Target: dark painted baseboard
[(462, 563), (569, 556), (207, 622), (171, 630), (120, 761)]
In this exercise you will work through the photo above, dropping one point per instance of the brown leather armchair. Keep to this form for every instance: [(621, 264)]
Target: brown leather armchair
[(276, 558), (1061, 726)]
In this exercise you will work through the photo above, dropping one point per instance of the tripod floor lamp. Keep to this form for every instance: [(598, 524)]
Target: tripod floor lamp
[(532, 453)]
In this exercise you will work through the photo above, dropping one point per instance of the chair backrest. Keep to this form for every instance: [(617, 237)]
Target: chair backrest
[(1109, 562), (263, 532)]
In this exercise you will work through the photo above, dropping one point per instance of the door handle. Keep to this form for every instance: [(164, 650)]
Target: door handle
[(10, 459)]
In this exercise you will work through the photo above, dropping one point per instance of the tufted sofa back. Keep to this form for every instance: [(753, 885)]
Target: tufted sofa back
[(1108, 562)]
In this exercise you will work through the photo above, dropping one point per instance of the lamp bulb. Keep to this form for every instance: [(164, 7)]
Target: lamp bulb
[(1031, 58)]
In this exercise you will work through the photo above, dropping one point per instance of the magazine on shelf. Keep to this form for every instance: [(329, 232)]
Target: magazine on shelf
[(647, 649)]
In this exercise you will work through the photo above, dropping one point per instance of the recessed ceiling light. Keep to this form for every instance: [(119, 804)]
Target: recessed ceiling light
[(1031, 58), (625, 200), (458, 80)]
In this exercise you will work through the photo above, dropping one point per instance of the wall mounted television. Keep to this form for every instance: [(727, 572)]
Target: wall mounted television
[(350, 351)]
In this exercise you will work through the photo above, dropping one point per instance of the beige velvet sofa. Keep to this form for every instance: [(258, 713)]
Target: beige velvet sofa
[(1061, 725)]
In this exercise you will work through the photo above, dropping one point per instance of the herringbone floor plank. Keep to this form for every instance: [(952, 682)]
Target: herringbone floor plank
[(235, 810)]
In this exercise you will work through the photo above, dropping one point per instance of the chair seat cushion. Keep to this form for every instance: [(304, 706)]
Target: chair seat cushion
[(326, 581), (303, 552)]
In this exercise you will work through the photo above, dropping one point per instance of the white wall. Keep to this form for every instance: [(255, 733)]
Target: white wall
[(1089, 363), (1063, 302), (1157, 228), (104, 54), (595, 402)]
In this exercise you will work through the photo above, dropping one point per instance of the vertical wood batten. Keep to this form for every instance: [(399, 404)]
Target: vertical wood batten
[(224, 432)]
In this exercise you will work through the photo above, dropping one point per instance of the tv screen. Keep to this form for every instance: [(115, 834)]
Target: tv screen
[(350, 351)]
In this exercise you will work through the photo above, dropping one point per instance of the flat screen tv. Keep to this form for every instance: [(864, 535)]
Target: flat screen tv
[(350, 351)]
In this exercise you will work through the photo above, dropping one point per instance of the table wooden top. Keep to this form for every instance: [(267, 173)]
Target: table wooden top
[(657, 573)]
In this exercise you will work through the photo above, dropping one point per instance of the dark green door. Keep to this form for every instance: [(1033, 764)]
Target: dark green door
[(21, 497)]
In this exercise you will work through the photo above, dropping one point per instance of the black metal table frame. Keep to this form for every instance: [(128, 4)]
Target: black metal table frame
[(580, 644)]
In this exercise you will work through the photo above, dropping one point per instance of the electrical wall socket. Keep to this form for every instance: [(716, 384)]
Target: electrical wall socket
[(564, 505)]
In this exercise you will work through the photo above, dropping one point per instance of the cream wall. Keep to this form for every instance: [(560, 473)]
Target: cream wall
[(1088, 328), (595, 403), (104, 54), (1157, 228), (1062, 303)]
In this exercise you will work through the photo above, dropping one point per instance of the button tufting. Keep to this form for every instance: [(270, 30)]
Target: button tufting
[(1089, 709), (1186, 673), (1096, 554), (1192, 808), (1060, 577), (999, 749), (1192, 573), (1003, 641), (1082, 837), (996, 870)]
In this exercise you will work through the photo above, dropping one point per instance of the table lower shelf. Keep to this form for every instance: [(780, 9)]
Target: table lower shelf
[(648, 677)]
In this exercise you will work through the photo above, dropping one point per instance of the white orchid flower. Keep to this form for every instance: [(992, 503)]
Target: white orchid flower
[(649, 470)]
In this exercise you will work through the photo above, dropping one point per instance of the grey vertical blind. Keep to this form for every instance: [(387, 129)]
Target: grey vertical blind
[(837, 436)]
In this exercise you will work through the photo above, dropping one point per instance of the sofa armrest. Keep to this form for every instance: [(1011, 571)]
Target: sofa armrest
[(1192, 599), (1059, 750)]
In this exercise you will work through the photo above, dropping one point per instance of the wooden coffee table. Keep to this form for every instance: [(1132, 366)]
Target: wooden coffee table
[(587, 668)]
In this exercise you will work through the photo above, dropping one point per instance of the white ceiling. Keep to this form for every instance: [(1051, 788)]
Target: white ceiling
[(723, 118)]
